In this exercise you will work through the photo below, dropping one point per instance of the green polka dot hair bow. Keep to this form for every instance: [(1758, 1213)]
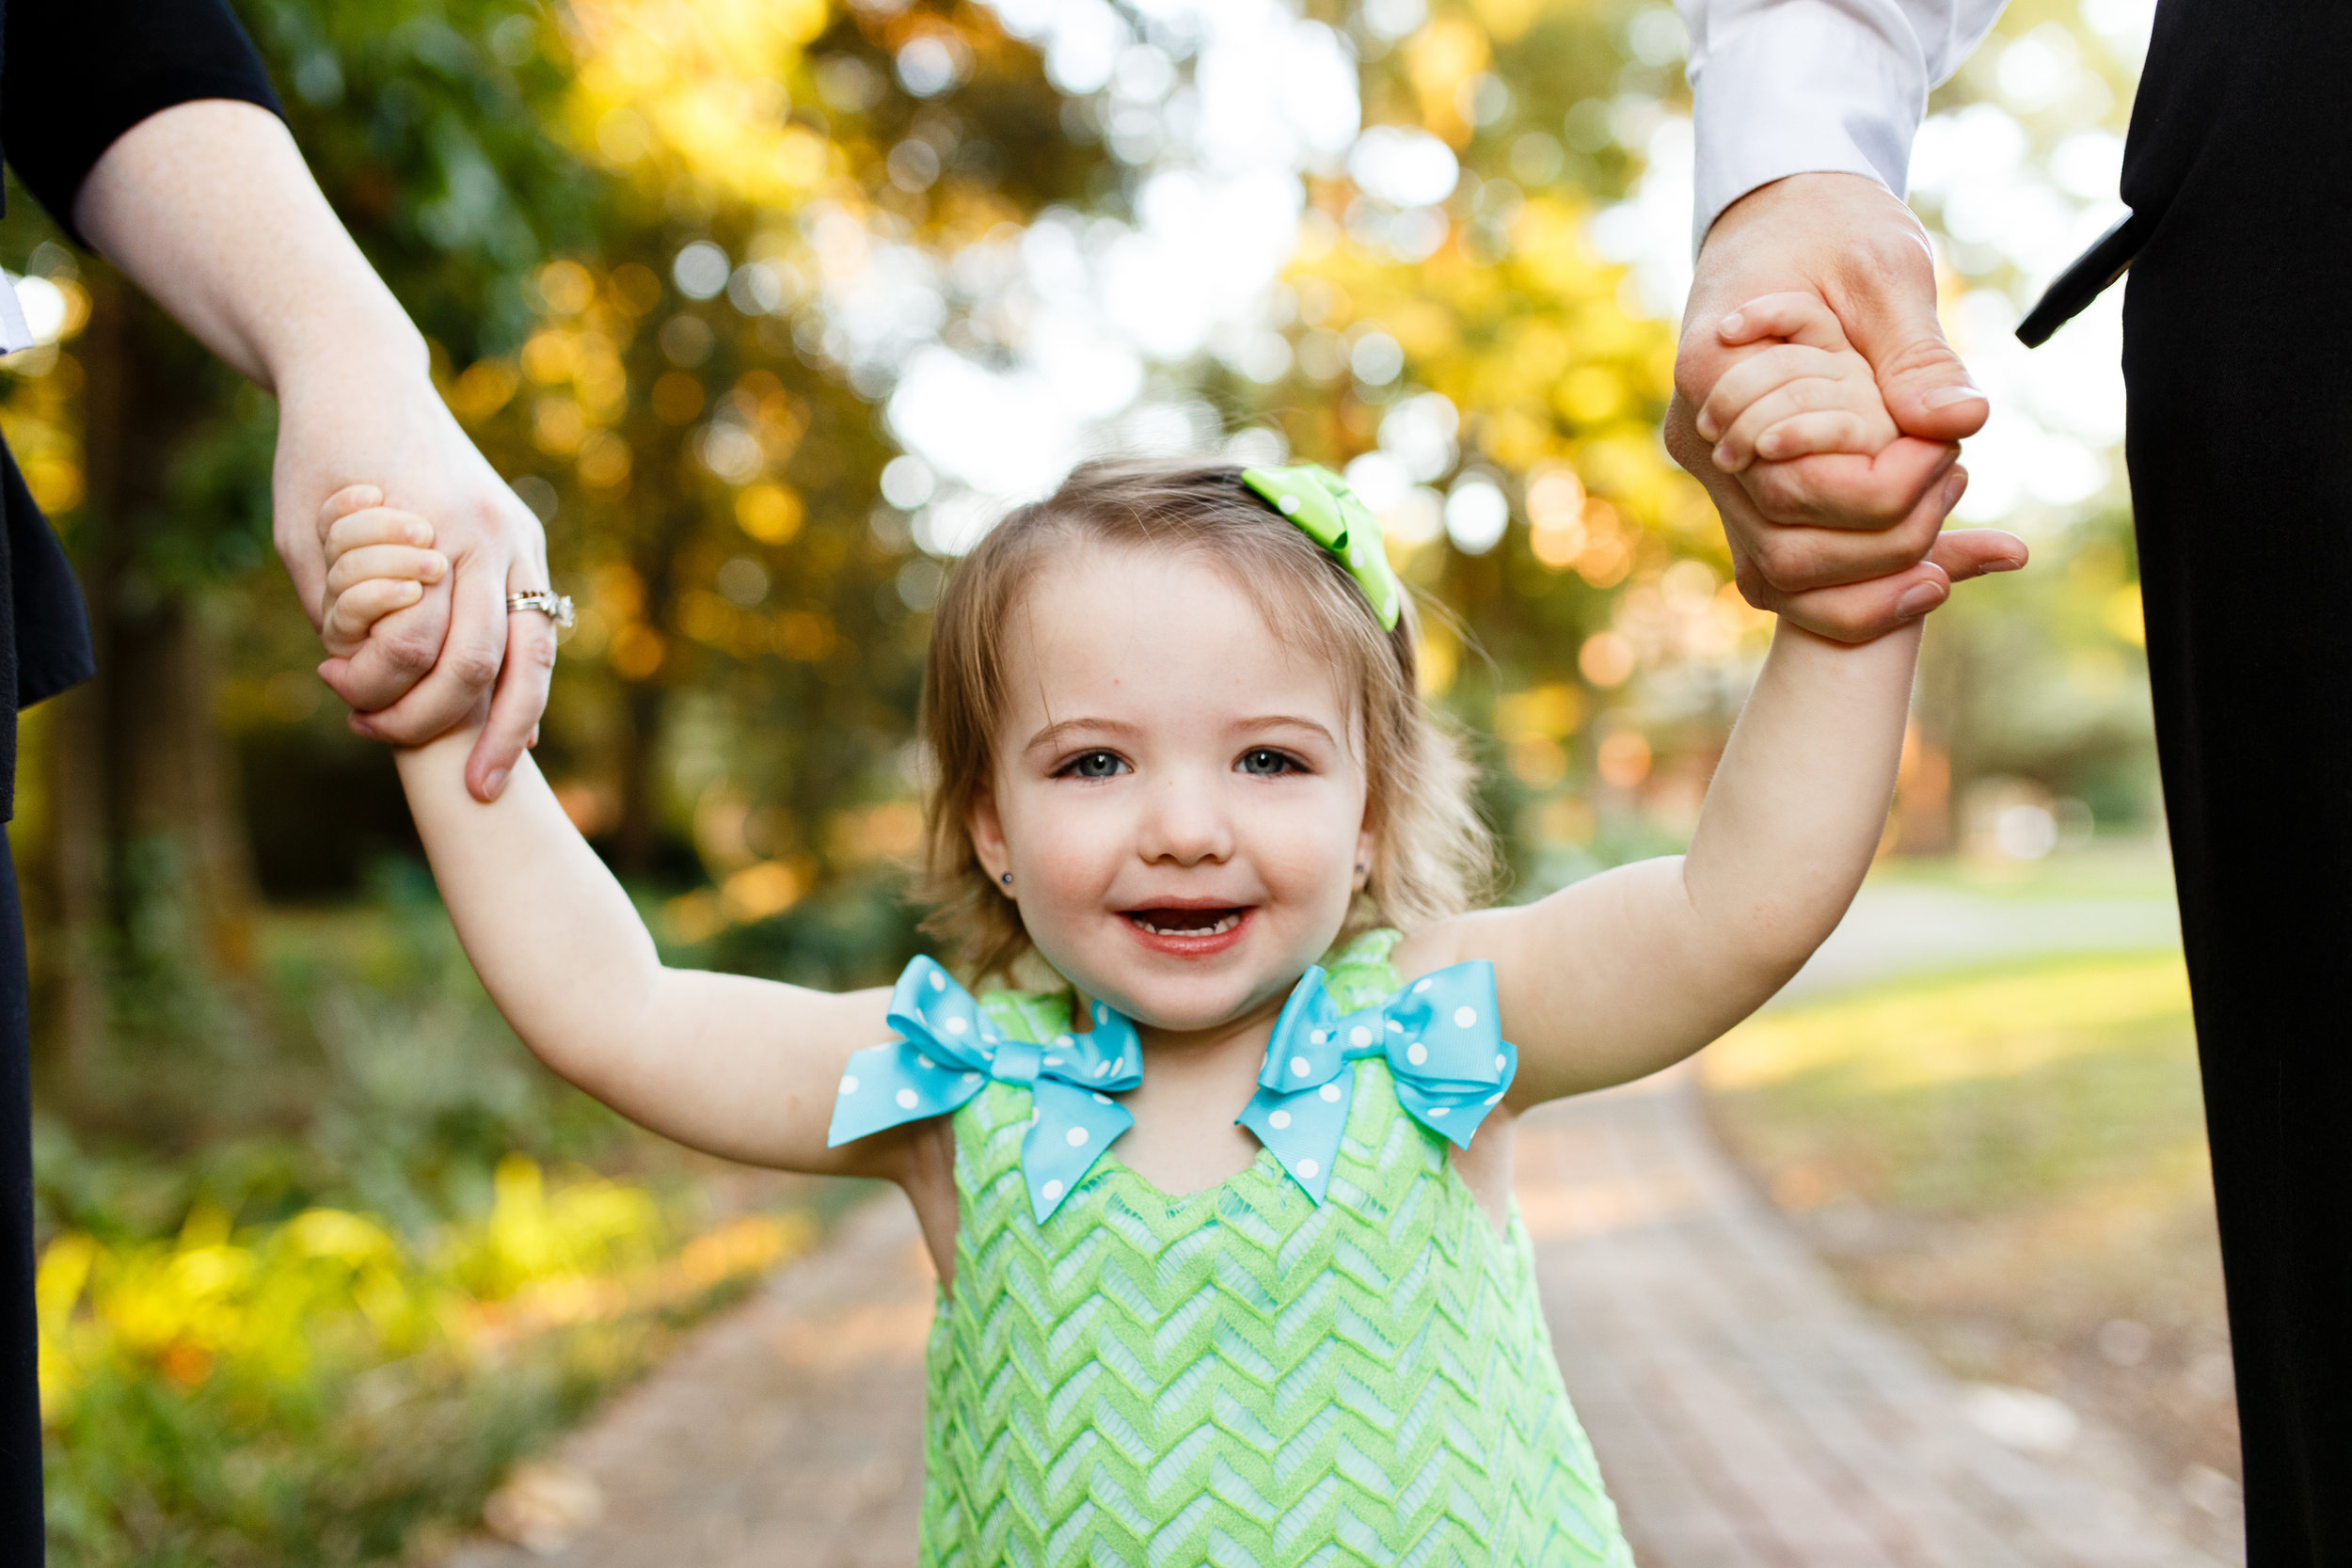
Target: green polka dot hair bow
[(1327, 512), (948, 1051), (1440, 1037)]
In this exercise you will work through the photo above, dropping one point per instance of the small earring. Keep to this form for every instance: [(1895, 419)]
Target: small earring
[(1007, 877), (1359, 866)]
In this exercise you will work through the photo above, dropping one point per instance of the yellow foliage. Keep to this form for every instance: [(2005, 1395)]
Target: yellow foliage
[(56, 483), (604, 460), (698, 88), (1544, 365), (566, 287), (483, 390), (637, 652), (1545, 710), (805, 635), (757, 891), (891, 829), (268, 1306), (1590, 394), (768, 512), (550, 355), (558, 426), (2124, 617), (1538, 761), (1438, 59)]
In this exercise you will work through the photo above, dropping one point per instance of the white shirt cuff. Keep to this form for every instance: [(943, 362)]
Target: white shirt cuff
[(1804, 86), (14, 334)]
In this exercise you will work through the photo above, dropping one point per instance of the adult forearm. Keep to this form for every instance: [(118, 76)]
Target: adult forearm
[(209, 208)]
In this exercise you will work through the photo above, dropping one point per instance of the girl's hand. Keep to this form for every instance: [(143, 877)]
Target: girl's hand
[(377, 562), (1809, 392)]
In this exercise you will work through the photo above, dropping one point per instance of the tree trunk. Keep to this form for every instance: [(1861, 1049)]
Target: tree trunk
[(149, 861)]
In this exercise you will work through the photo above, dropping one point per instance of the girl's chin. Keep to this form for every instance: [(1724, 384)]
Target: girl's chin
[(1189, 999), (1180, 991)]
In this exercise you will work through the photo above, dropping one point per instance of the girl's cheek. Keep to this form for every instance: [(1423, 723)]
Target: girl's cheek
[(1307, 853)]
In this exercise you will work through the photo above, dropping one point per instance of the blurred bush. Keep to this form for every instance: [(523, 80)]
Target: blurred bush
[(319, 1391), (323, 1333)]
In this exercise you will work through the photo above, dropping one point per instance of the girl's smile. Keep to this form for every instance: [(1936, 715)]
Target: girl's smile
[(1189, 928)]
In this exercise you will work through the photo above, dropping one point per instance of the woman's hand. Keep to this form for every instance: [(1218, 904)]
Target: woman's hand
[(425, 667)]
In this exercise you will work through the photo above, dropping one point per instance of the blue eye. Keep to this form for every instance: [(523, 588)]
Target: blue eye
[(1095, 764), (1266, 763)]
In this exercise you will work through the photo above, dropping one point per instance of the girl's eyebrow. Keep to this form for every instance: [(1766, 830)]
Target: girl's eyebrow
[(1052, 732), (1288, 722)]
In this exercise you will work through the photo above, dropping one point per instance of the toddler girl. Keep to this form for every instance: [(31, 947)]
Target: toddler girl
[(1228, 1267)]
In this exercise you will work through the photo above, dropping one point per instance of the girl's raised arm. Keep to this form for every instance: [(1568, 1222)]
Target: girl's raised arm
[(1633, 970), (741, 1067)]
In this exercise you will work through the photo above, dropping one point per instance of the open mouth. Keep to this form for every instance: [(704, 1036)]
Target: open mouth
[(1185, 922)]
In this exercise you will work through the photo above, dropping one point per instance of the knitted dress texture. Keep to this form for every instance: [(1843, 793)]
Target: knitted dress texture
[(1239, 1377)]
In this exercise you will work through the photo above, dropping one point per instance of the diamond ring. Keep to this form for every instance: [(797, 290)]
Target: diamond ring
[(555, 607)]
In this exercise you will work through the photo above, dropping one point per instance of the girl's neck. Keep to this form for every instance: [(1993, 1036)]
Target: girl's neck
[(1194, 1083), (1187, 1053)]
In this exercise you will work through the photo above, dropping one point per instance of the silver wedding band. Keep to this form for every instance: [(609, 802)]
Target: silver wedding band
[(555, 607)]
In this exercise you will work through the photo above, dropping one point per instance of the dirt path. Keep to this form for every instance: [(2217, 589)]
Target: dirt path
[(788, 1433), (1747, 1414)]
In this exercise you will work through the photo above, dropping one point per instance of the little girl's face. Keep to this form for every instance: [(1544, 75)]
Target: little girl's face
[(1179, 796)]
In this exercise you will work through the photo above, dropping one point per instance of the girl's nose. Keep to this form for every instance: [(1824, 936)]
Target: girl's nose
[(1185, 821)]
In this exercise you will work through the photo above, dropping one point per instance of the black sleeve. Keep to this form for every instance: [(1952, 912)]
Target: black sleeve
[(77, 74)]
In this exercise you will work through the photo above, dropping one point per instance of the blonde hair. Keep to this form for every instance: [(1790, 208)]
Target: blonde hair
[(1432, 852)]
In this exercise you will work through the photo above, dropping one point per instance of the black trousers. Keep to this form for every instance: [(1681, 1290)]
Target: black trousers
[(21, 1535), (2238, 358)]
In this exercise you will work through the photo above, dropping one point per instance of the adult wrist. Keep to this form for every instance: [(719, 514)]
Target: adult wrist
[(379, 350), (1775, 237)]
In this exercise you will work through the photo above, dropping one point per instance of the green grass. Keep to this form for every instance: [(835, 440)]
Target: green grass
[(2007, 1162), (2134, 867), (1968, 1097)]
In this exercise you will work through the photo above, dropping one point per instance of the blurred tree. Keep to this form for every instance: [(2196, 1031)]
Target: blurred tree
[(1471, 360), (746, 664), (664, 392)]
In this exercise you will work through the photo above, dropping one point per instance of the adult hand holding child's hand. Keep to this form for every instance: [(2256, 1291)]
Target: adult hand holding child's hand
[(378, 567), (1840, 537), (432, 662)]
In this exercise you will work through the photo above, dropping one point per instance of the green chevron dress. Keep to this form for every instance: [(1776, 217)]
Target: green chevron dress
[(1242, 1378)]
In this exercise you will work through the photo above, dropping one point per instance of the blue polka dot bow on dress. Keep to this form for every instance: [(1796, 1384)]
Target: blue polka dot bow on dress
[(1444, 1049), (947, 1049)]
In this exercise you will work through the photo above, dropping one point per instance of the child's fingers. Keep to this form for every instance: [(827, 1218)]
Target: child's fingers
[(350, 614), (375, 525), (1758, 375), (350, 498), (1797, 318), (1825, 430), (1812, 395), (370, 562)]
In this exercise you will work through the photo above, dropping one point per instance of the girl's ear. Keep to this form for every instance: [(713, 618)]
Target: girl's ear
[(988, 838), (1365, 843)]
